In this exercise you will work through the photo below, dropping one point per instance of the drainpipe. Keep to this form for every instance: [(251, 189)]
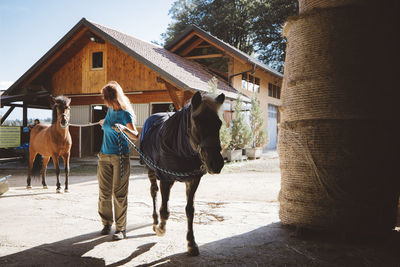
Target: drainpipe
[(252, 70)]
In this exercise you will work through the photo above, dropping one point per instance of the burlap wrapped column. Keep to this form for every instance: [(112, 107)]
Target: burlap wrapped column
[(338, 138)]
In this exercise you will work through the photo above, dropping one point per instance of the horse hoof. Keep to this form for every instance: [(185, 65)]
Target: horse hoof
[(58, 190), (155, 228), (193, 251), (45, 187), (66, 191), (28, 187), (160, 232)]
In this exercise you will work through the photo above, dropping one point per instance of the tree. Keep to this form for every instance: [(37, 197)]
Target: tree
[(253, 26), (225, 134), (240, 131), (258, 134), (271, 45)]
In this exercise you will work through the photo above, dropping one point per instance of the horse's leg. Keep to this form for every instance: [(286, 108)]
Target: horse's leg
[(153, 192), (66, 158), (32, 155), (44, 168), (164, 211), (191, 187), (57, 167)]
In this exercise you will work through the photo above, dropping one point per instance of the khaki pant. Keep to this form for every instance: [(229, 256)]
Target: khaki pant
[(112, 186)]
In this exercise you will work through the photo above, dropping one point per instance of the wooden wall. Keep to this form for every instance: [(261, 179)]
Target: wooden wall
[(129, 72), (68, 80), (265, 78), (93, 79), (77, 77)]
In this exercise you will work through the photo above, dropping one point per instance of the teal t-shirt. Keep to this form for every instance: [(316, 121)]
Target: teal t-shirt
[(110, 136)]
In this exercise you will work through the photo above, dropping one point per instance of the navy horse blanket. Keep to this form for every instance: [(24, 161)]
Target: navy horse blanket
[(165, 140)]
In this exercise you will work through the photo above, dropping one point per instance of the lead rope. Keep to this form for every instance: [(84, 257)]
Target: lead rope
[(121, 160), (150, 162)]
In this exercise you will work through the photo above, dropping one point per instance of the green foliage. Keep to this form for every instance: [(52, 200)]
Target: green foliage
[(241, 134), (225, 134), (253, 26), (212, 87), (258, 134)]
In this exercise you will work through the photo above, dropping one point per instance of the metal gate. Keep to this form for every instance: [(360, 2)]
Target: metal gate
[(272, 126)]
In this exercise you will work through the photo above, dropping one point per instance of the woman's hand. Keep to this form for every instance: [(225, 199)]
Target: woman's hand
[(101, 122), (120, 126), (129, 130)]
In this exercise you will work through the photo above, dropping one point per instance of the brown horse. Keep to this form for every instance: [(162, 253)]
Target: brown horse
[(52, 141)]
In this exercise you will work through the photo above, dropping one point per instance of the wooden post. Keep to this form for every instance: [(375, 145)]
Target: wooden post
[(24, 115), (172, 90), (6, 114)]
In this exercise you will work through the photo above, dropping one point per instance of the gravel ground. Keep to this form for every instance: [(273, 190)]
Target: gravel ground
[(236, 224)]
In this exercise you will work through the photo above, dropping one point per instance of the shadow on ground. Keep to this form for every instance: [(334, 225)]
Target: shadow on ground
[(271, 245), (275, 245), (69, 252)]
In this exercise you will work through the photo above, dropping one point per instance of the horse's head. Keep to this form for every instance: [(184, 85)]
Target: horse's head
[(204, 130), (61, 111)]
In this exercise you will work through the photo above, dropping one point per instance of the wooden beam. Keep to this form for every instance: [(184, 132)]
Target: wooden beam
[(172, 90), (187, 96), (145, 97), (188, 49), (203, 46), (6, 114), (181, 42), (56, 55), (220, 48), (205, 56)]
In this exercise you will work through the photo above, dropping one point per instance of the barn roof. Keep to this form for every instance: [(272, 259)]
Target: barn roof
[(233, 50), (181, 72)]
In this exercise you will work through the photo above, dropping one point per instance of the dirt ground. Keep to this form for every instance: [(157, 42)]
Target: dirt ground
[(236, 224)]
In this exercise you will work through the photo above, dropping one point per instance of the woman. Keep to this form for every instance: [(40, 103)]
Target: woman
[(111, 183)]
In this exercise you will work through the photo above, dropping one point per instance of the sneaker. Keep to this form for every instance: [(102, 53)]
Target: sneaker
[(106, 229), (119, 235)]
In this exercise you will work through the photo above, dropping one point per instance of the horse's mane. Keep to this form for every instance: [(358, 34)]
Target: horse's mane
[(59, 100)]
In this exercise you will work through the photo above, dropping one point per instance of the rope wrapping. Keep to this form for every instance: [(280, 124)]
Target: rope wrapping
[(338, 141)]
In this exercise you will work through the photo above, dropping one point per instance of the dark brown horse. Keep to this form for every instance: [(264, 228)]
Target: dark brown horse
[(52, 141), (186, 141)]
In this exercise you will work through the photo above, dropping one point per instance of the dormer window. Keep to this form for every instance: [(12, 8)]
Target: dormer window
[(97, 60)]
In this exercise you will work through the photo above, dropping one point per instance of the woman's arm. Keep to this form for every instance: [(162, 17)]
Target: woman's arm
[(129, 129)]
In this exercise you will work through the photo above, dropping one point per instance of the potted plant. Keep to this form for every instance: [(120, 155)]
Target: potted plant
[(240, 133), (259, 135)]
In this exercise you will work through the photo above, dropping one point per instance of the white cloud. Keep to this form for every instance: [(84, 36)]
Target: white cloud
[(5, 84)]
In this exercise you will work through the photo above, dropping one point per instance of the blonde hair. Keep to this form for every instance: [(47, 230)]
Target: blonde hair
[(114, 97)]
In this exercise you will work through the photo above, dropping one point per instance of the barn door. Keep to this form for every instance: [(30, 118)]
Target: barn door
[(272, 126)]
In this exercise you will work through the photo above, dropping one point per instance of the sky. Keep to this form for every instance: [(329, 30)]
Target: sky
[(29, 28)]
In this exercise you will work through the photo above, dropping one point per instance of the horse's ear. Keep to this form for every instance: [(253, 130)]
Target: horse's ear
[(196, 100), (52, 100), (68, 101), (220, 99)]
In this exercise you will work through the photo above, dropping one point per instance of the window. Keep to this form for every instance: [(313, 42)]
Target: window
[(269, 89), (250, 83), (256, 84), (274, 91), (244, 81), (97, 60)]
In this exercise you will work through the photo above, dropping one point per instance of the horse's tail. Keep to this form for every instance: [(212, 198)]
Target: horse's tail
[(37, 166)]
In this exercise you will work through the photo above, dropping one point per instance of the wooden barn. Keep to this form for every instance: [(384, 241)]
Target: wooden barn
[(153, 77), (241, 71)]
